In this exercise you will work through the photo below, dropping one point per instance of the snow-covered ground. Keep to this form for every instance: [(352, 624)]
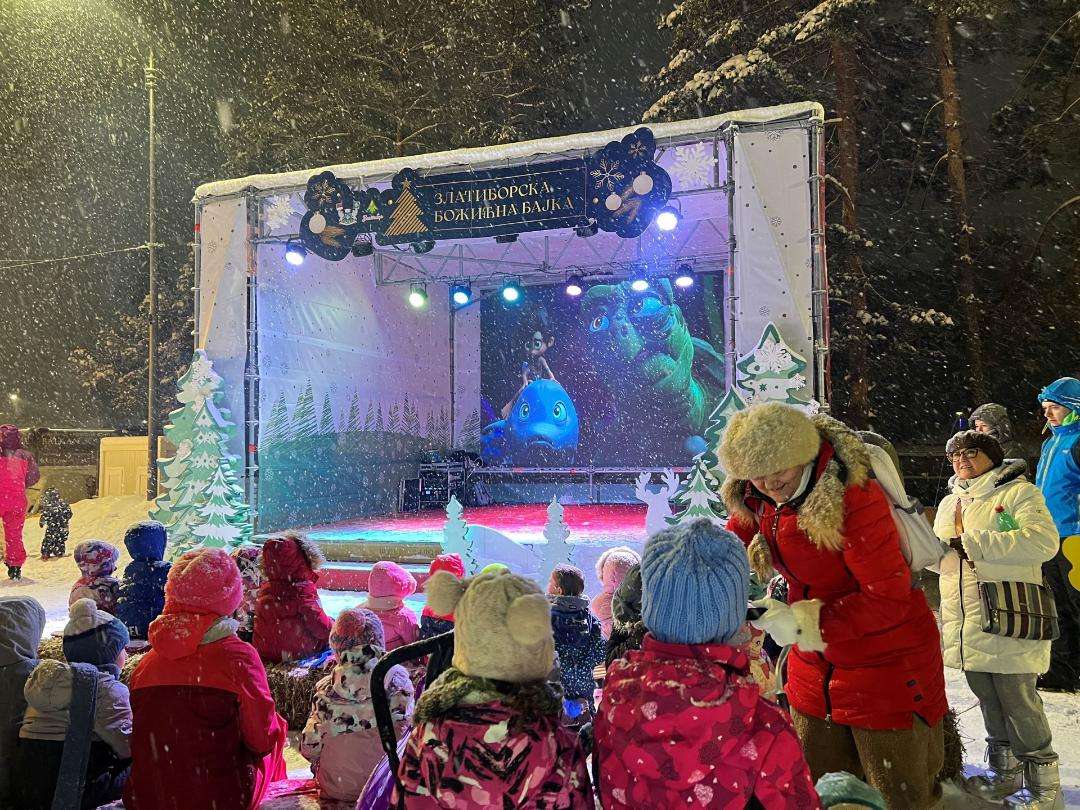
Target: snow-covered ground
[(107, 518)]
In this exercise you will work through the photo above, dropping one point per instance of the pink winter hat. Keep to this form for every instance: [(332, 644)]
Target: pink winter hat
[(448, 562), (204, 581), (390, 579), (354, 628)]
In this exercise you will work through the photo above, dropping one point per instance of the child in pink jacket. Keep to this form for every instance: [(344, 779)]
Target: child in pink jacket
[(388, 586), (611, 570)]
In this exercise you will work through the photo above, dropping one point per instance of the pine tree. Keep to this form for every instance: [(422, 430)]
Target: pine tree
[(276, 428), (379, 419), (444, 428), (369, 420), (431, 431), (558, 549), (201, 493), (699, 498), (470, 438), (352, 422), (456, 538), (326, 421), (393, 419), (304, 425)]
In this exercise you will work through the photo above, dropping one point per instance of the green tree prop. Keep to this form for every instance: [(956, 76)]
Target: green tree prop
[(277, 425), (326, 420), (353, 424), (304, 423), (202, 502), (772, 372), (699, 498)]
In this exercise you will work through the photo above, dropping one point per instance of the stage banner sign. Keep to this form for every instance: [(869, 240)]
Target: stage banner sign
[(618, 189)]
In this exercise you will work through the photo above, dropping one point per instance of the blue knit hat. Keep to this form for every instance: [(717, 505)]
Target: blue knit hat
[(1065, 392), (93, 636), (694, 581)]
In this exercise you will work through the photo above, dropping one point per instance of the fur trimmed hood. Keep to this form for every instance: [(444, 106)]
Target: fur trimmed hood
[(291, 558), (842, 462)]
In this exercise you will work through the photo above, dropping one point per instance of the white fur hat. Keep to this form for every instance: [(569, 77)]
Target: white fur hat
[(767, 438), (502, 627)]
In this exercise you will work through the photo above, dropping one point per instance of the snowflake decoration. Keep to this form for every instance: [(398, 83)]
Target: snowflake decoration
[(773, 135), (607, 174), (776, 222), (763, 311), (325, 194), (278, 212), (637, 149), (693, 166), (773, 357)]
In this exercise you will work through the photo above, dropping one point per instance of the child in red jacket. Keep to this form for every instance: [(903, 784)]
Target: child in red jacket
[(289, 621), (688, 683), (206, 732)]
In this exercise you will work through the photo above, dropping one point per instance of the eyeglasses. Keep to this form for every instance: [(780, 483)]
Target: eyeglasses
[(969, 452)]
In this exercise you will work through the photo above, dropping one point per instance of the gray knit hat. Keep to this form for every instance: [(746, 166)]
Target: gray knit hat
[(694, 582), (973, 440)]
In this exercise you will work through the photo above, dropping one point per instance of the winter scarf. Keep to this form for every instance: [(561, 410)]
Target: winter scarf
[(528, 701), (73, 761)]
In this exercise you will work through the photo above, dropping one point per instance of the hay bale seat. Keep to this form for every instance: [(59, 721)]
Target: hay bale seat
[(292, 687)]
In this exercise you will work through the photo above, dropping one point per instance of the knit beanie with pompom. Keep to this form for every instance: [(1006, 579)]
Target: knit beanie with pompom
[(93, 636), (204, 581), (356, 628), (503, 625)]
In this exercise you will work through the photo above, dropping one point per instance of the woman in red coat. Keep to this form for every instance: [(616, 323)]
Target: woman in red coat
[(864, 678), (205, 731), (289, 621)]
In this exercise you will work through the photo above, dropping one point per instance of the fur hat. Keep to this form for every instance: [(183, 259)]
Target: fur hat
[(694, 581), (355, 628), (390, 579), (204, 581), (626, 601), (448, 562), (93, 636), (767, 438), (973, 440), (503, 625), (613, 564)]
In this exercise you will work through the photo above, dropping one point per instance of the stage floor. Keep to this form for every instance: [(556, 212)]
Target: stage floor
[(608, 523)]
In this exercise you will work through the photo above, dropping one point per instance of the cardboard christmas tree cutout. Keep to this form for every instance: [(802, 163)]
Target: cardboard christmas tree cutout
[(456, 536), (772, 372), (699, 498), (558, 548), (202, 502), (721, 415)]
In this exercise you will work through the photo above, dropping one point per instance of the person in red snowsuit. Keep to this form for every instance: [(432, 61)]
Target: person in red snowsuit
[(290, 624), (18, 471), (206, 732), (865, 677)]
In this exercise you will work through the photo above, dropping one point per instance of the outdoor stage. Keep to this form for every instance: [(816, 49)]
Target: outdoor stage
[(413, 540)]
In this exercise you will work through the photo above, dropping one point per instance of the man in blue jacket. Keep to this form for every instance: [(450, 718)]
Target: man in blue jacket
[(1059, 479)]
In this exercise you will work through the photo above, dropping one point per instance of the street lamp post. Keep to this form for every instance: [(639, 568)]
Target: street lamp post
[(151, 398)]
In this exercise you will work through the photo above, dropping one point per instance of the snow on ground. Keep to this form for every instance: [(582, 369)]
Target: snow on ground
[(107, 518)]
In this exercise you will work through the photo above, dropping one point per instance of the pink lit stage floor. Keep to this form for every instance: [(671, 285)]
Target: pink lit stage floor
[(611, 524)]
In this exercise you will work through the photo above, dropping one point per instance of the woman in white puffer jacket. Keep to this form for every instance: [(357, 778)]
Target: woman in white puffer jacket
[(1000, 670)]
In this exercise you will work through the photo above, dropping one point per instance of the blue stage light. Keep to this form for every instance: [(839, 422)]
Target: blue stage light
[(460, 294), (295, 253), (574, 286), (684, 276), (667, 219), (511, 291)]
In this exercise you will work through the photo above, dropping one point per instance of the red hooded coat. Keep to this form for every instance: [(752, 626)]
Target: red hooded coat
[(206, 732), (882, 661), (18, 470), (289, 621)]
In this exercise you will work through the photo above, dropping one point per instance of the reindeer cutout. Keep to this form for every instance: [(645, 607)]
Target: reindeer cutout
[(658, 510)]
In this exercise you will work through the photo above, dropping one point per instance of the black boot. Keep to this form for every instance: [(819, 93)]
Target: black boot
[(1058, 679), (14, 572)]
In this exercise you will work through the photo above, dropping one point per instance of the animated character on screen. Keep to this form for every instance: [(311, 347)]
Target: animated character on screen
[(663, 381), (535, 367), (541, 430)]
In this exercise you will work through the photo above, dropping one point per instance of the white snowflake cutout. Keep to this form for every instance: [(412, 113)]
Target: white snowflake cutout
[(278, 211), (693, 166)]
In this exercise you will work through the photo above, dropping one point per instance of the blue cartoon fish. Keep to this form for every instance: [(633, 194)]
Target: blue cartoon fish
[(541, 429)]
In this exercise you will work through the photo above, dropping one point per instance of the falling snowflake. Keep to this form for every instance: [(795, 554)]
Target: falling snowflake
[(773, 357), (693, 166), (278, 211), (607, 174)]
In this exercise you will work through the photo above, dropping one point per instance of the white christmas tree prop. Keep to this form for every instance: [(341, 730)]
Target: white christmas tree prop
[(456, 536), (772, 372), (699, 497), (202, 502), (558, 548)]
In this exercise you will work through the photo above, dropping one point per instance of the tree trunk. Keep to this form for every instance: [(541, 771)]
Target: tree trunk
[(844, 69), (952, 127)]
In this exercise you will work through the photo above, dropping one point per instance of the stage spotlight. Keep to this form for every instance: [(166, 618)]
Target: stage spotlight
[(460, 294), (362, 247), (638, 281), (585, 231), (511, 291), (684, 276), (417, 296), (423, 246), (574, 286), (295, 253), (506, 238), (667, 219)]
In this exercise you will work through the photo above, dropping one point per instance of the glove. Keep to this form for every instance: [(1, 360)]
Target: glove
[(796, 624)]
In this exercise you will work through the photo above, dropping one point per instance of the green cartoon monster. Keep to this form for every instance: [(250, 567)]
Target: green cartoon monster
[(661, 378)]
